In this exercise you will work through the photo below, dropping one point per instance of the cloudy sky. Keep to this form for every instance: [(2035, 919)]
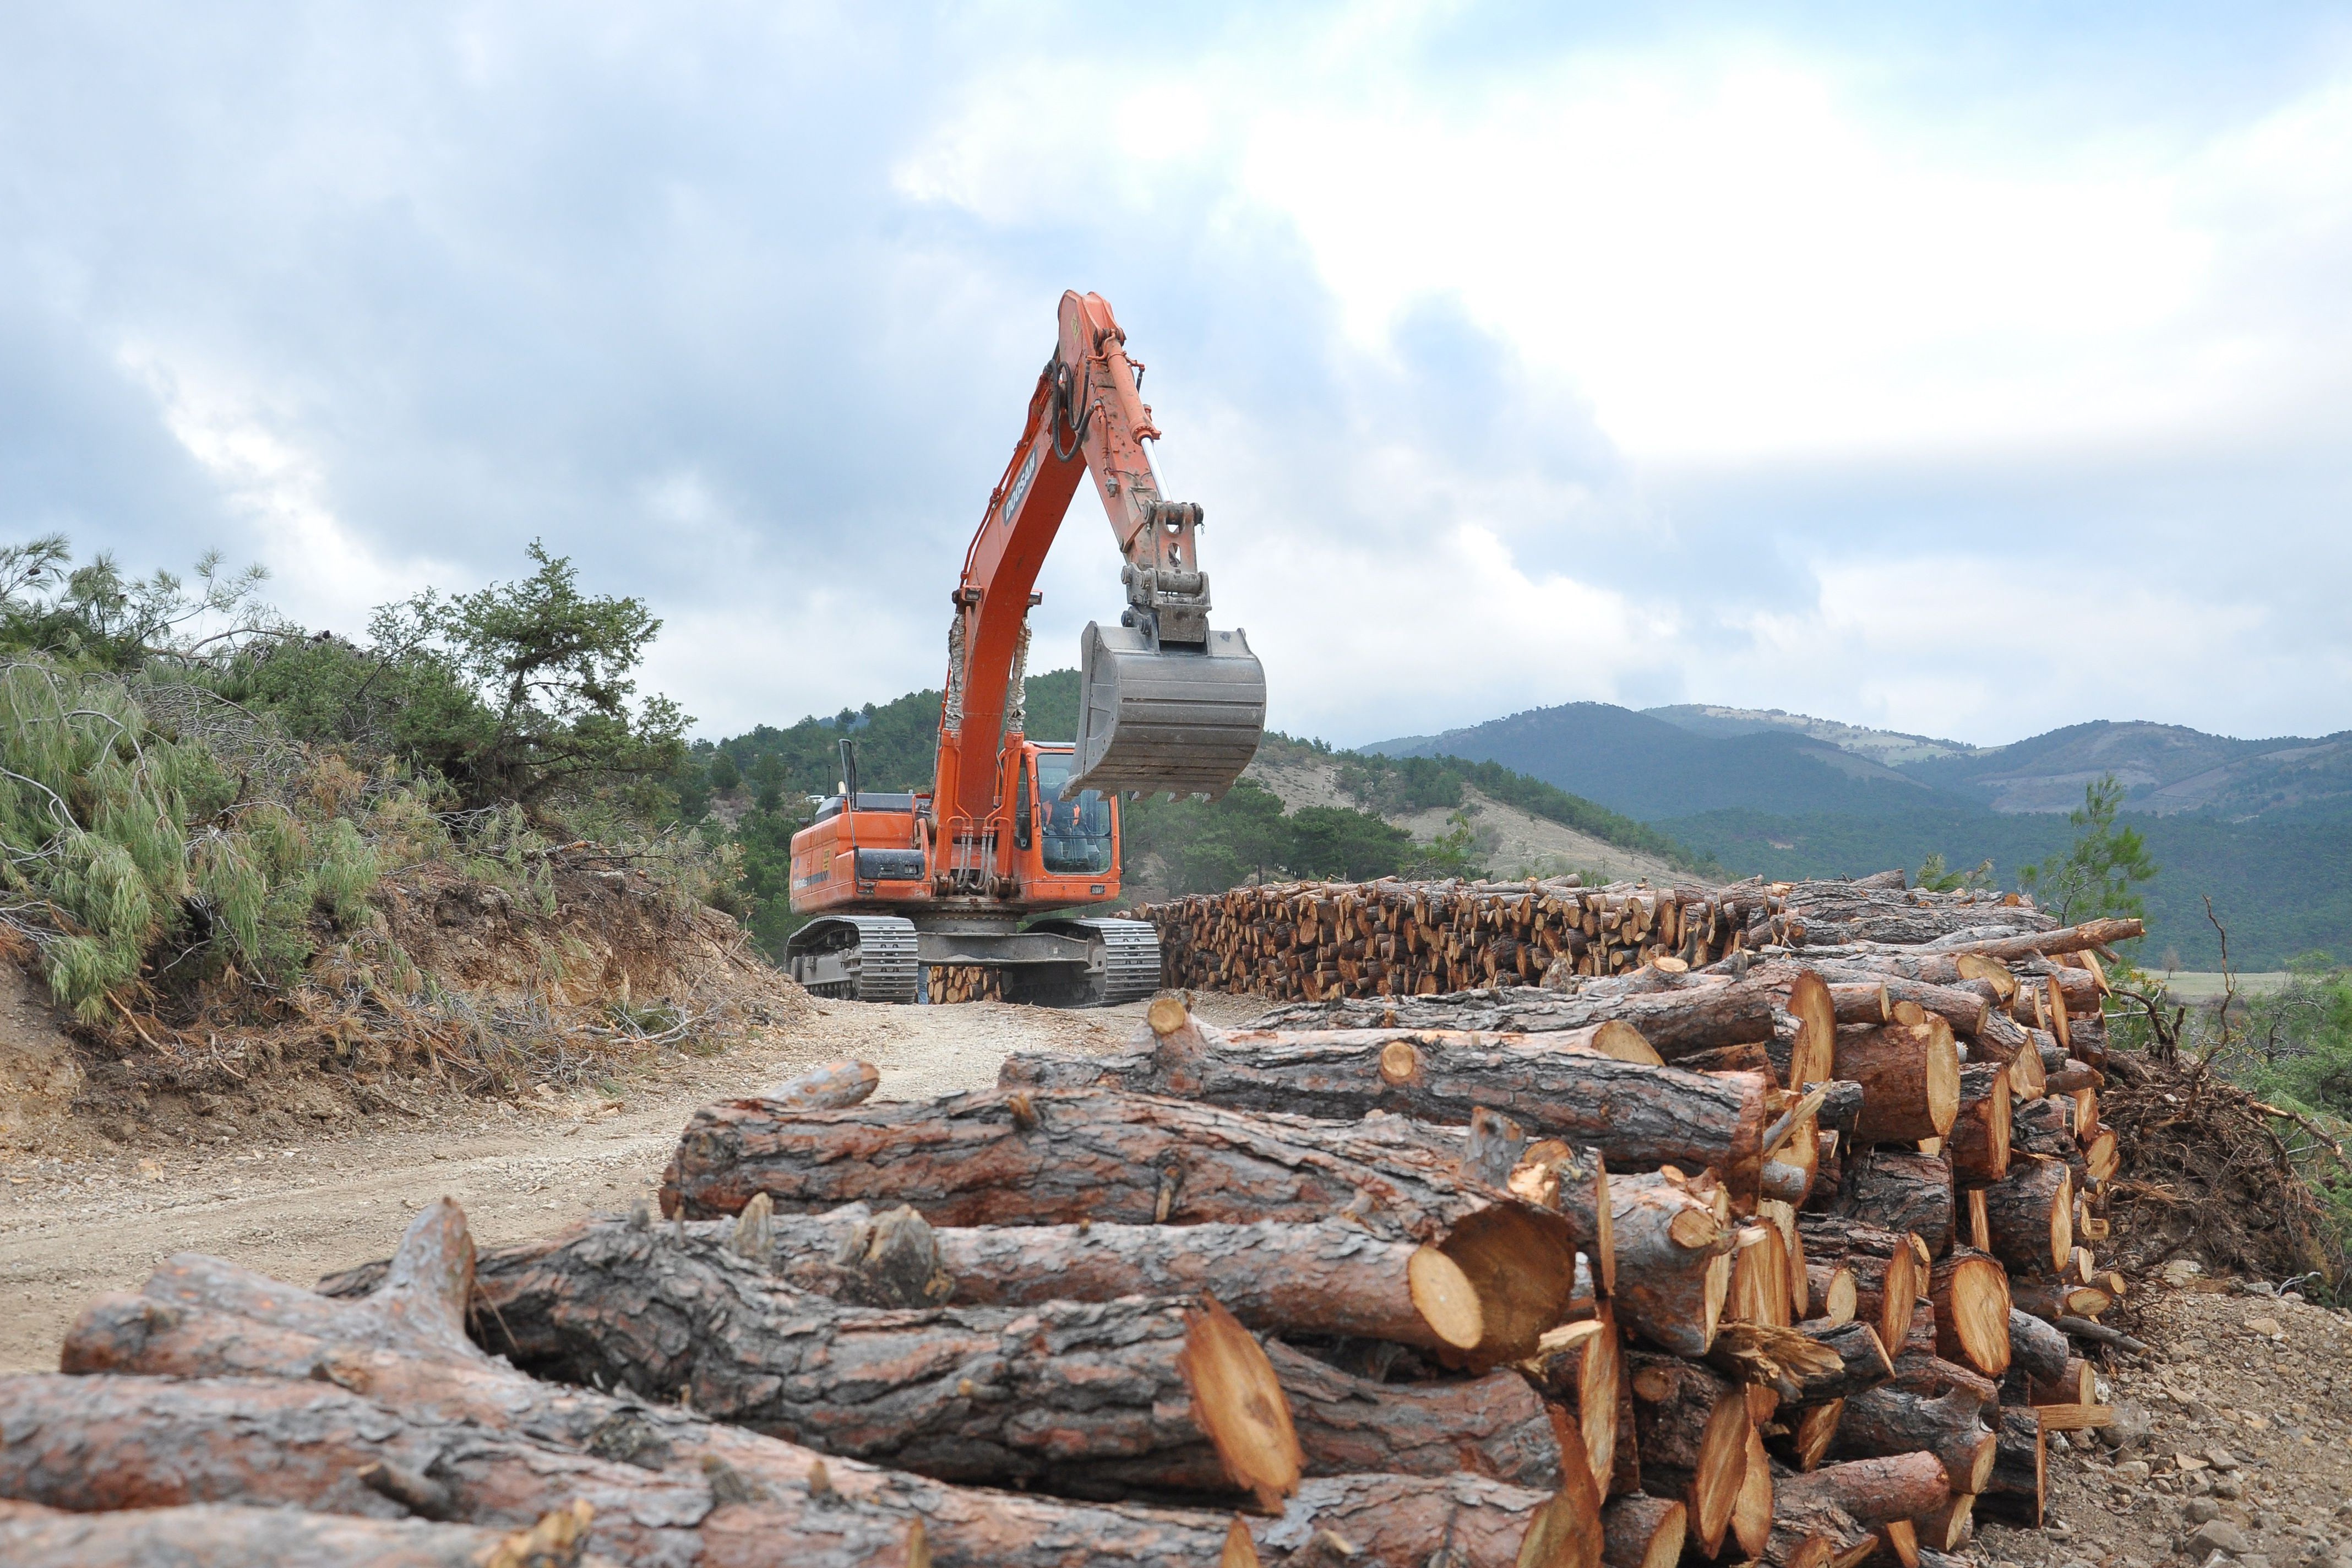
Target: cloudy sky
[(1969, 375)]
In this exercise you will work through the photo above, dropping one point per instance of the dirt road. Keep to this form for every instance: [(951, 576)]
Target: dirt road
[(302, 1205)]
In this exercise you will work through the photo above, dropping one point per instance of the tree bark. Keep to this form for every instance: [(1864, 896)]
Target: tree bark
[(1688, 1013), (1493, 1425), (226, 1535), (1410, 1521), (1901, 1191), (1639, 1117), (2028, 1216), (1814, 1532), (1877, 1491), (1970, 1294), (1862, 1362)]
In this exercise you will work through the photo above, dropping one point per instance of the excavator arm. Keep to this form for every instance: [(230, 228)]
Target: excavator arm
[(1166, 702)]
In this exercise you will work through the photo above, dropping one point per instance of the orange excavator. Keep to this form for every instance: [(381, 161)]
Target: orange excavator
[(1013, 827)]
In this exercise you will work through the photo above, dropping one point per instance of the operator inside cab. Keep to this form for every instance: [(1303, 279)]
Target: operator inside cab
[(1077, 830)]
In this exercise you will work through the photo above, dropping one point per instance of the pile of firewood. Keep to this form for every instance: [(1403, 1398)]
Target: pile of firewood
[(965, 983), (1320, 939), (1774, 1260)]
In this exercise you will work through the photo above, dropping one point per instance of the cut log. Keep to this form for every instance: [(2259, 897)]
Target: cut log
[(1016, 1158), (1901, 1191), (1493, 1426), (1897, 1487), (1582, 1368), (1831, 1291), (1862, 1362), (1679, 1014), (2057, 1301), (1559, 1176), (405, 1347), (1886, 1269), (1970, 1294), (1693, 1428), (1979, 1142), (1640, 1117), (1329, 1280), (2030, 1216), (1910, 1077), (2018, 1481), (1947, 1529), (1751, 1512), (1643, 1531), (2038, 1348), (1814, 1433), (312, 1445), (1672, 1259), (223, 1535), (1813, 1057), (1492, 1147), (1886, 1421)]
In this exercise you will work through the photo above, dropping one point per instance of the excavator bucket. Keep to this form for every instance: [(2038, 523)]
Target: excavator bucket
[(1185, 719)]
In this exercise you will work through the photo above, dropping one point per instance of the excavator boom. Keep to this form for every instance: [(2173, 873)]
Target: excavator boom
[(901, 887), (1166, 704)]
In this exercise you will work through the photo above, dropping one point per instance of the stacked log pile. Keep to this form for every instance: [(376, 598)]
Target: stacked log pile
[(1786, 1257), (1315, 941)]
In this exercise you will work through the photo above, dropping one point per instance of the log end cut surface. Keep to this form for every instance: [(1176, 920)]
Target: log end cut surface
[(1240, 1404), (1444, 1297)]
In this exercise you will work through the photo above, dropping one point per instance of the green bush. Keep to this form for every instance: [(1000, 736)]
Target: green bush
[(127, 852)]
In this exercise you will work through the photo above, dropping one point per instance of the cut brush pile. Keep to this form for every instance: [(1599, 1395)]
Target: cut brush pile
[(1779, 1258)]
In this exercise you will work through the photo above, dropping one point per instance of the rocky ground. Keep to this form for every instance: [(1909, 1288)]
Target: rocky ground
[(2234, 1441)]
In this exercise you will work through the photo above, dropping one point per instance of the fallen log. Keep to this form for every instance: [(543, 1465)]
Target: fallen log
[(405, 1346), (1639, 1117), (1692, 1428), (1328, 1279), (1898, 1487), (1681, 1014), (227, 1535), (313, 1446), (1016, 1158)]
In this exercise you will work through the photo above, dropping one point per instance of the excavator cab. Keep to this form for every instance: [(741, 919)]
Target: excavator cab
[(1153, 716)]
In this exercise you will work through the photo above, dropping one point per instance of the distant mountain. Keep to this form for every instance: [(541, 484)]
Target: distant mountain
[(2167, 769), (1891, 747), (1651, 768), (2265, 826)]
